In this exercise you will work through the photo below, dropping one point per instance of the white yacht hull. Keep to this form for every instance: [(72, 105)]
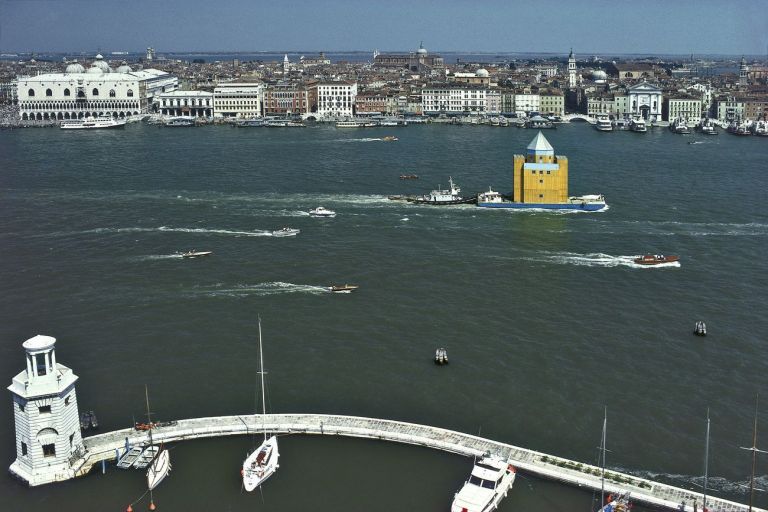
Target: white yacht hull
[(260, 464)]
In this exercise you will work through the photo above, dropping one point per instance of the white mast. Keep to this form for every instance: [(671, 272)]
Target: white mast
[(706, 464), (263, 394), (754, 451), (602, 473)]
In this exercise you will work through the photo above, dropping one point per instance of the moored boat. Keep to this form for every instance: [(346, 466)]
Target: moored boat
[(706, 126), (760, 128), (739, 128), (353, 123), (540, 123), (92, 123), (322, 212), (655, 259), (637, 125), (679, 125), (604, 124), (491, 478), (180, 122)]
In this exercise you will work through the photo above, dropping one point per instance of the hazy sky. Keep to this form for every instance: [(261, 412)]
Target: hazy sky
[(589, 26)]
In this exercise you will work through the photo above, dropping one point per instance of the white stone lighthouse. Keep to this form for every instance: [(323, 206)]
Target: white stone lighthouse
[(48, 437)]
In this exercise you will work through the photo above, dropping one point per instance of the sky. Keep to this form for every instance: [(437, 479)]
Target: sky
[(731, 27)]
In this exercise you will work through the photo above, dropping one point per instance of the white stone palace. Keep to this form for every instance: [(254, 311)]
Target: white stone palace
[(45, 412), (97, 91), (645, 100)]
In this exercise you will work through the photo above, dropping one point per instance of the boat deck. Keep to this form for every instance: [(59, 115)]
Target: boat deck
[(107, 445)]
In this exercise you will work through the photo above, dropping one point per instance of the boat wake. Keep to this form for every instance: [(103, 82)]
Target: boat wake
[(261, 290), (596, 260), (156, 257), (167, 229), (364, 139)]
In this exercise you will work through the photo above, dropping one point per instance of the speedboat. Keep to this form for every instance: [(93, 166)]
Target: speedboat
[(491, 478), (195, 254), (342, 288), (322, 212), (389, 138), (655, 259), (286, 232)]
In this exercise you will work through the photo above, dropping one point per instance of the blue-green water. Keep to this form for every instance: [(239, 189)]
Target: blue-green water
[(543, 317)]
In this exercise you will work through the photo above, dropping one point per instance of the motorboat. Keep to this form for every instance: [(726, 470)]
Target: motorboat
[(490, 197), (604, 124), (617, 503), (445, 197), (389, 138), (540, 123), (322, 212), (250, 123), (92, 123), (591, 202), (441, 356), (706, 126), (700, 328), (343, 288), (638, 125), (353, 123), (179, 122), (760, 128), (195, 254), (263, 461), (655, 259), (491, 478), (738, 128), (409, 176), (285, 232), (680, 126)]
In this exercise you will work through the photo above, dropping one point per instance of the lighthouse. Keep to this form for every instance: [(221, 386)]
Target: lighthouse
[(48, 441)]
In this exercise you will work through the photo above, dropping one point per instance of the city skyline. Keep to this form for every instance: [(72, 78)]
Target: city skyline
[(598, 27)]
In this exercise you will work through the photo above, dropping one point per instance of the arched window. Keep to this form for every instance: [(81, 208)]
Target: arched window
[(48, 92), (112, 93), (81, 93), (66, 92), (95, 92), (130, 93), (31, 93)]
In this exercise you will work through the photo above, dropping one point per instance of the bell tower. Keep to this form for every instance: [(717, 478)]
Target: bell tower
[(743, 72), (571, 70), (47, 421)]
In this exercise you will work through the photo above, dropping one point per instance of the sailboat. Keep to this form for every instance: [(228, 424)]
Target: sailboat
[(619, 503), (262, 462), (706, 466), (161, 464), (754, 451)]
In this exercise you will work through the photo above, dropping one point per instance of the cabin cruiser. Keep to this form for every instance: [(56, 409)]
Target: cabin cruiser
[(589, 202), (283, 123), (441, 356), (491, 478), (92, 123), (286, 232), (737, 128), (322, 212), (342, 288), (706, 126), (655, 259), (637, 124), (679, 125), (443, 197), (700, 328), (604, 124)]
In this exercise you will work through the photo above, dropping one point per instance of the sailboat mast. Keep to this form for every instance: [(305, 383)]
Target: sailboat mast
[(263, 394), (754, 458), (706, 464), (149, 414), (602, 473)]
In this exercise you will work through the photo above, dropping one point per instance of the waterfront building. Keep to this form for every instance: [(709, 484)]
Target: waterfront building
[(687, 107), (526, 102), (97, 91), (493, 101), (599, 104), (730, 108), (419, 61), (572, 77), (373, 103), (621, 106), (453, 99), (238, 99), (185, 103), (9, 92), (645, 100), (507, 101), (47, 421), (287, 98), (756, 109), (551, 102), (336, 99), (540, 176)]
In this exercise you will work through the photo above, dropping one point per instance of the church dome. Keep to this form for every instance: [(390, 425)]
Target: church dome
[(482, 72), (101, 64), (124, 68), (75, 68), (599, 74), (421, 50), (95, 70)]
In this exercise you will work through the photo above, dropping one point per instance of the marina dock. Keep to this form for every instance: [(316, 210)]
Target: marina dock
[(108, 446)]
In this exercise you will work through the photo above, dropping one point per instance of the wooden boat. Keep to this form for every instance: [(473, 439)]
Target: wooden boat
[(655, 259), (345, 288)]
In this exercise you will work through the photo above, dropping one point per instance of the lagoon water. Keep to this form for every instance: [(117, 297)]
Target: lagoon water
[(544, 316)]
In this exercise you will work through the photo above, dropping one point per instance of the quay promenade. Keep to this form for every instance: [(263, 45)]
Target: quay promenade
[(106, 446)]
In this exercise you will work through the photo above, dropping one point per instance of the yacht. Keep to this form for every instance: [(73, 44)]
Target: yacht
[(638, 125), (443, 197), (322, 212), (706, 126), (491, 478), (285, 232), (679, 125), (604, 124), (92, 123)]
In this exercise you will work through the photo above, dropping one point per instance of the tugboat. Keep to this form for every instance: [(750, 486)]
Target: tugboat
[(655, 259), (445, 197), (700, 329), (491, 478), (441, 356)]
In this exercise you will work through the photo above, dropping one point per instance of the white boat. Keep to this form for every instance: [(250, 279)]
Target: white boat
[(706, 126), (679, 125), (322, 212), (355, 124), (195, 254), (491, 478), (180, 122), (539, 122), (604, 124), (614, 503), (638, 125), (760, 128), (490, 197), (444, 197), (342, 288), (92, 123), (161, 464), (263, 461), (286, 232)]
